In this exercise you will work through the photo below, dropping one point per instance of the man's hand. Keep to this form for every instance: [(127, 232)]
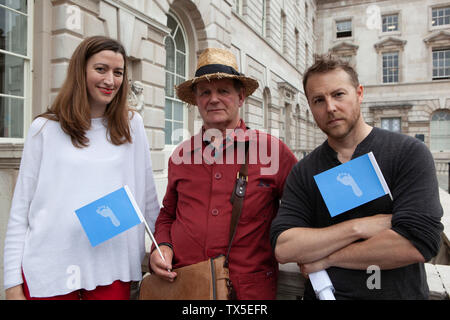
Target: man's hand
[(15, 293), (161, 267), (315, 266)]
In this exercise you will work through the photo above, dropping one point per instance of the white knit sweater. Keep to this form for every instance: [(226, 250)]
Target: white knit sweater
[(44, 236)]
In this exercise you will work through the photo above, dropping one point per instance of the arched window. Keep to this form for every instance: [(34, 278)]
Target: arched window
[(176, 66), (440, 131)]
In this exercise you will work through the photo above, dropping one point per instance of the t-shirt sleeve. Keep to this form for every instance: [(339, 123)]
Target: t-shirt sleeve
[(295, 208), (417, 210)]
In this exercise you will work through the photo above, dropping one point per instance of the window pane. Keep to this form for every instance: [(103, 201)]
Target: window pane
[(177, 135), (181, 64), (390, 67), (13, 31), (179, 40), (11, 75), (170, 82), (440, 131), (390, 23), (11, 117), (441, 64), (175, 74), (168, 109), (19, 5), (172, 24), (179, 80), (178, 111), (168, 132), (170, 54)]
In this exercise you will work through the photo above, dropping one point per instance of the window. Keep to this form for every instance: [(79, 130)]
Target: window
[(306, 55), (441, 64), (389, 22), (175, 74), (343, 29), (264, 18), (297, 48), (440, 16), (390, 67), (391, 124), (238, 6), (283, 32), (440, 131), (15, 67)]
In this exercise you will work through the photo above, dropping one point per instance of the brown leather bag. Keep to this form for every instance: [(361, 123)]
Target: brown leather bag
[(205, 280)]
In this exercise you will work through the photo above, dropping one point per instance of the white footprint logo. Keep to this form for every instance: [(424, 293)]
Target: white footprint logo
[(106, 212), (347, 180)]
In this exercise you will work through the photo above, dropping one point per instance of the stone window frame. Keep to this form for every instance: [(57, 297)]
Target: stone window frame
[(397, 32), (390, 44), (446, 59), (335, 31), (11, 148), (439, 39), (346, 51), (430, 16), (27, 74)]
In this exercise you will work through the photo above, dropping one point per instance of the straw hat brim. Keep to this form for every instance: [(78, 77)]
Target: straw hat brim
[(186, 93)]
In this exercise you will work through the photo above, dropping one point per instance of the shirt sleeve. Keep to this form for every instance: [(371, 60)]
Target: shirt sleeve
[(167, 213), (23, 195), (417, 210)]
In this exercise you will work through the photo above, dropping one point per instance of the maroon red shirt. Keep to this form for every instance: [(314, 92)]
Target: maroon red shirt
[(196, 211)]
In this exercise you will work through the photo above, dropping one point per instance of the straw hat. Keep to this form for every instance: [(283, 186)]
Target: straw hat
[(215, 63)]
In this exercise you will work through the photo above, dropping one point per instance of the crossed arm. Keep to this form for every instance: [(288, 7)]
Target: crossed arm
[(316, 249)]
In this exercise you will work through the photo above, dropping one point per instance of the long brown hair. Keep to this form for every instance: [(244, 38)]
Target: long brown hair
[(71, 106)]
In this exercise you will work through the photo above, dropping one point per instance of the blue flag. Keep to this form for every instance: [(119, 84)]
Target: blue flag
[(352, 184), (110, 215)]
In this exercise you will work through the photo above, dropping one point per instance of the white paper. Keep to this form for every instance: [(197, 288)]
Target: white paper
[(322, 285)]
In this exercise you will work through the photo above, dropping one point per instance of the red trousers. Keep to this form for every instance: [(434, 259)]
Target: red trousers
[(117, 290)]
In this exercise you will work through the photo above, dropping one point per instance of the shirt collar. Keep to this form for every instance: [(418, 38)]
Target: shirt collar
[(239, 134)]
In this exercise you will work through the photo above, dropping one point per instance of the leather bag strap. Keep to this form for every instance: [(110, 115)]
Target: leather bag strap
[(237, 199)]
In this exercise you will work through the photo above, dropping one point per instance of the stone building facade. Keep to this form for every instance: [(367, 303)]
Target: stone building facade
[(272, 39), (401, 51)]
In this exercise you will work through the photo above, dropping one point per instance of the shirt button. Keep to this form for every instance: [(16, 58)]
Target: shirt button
[(214, 212), (218, 175)]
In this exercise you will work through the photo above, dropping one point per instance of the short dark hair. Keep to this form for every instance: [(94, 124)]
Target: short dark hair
[(326, 63)]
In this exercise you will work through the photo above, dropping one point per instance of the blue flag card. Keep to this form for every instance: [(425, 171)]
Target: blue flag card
[(109, 216), (352, 184)]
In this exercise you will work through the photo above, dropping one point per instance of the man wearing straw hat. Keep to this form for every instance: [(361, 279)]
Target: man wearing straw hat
[(194, 222)]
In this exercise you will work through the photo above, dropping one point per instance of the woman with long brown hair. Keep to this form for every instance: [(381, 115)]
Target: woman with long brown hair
[(86, 145)]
